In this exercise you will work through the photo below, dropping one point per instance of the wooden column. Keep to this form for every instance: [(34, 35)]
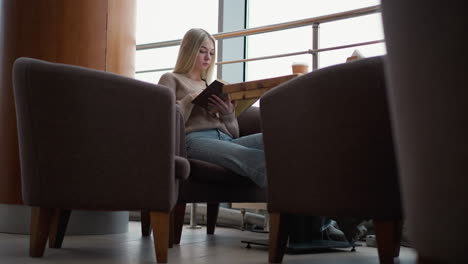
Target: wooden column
[(98, 34)]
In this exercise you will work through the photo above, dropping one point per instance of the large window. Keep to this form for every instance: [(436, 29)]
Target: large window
[(361, 29), (169, 20)]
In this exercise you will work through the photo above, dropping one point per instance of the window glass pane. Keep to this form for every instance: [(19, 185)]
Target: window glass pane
[(279, 42), (156, 58), (349, 31), (265, 12), (168, 20)]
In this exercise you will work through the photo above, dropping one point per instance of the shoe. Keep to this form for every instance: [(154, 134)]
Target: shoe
[(371, 241), (334, 233), (351, 228)]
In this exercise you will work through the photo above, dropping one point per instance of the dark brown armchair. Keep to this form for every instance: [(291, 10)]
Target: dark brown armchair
[(427, 69), (329, 132), (94, 141), (212, 184)]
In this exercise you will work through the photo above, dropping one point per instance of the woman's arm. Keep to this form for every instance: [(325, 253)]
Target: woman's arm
[(226, 109), (230, 121), (185, 102)]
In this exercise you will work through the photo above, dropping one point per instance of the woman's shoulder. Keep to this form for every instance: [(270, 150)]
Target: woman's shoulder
[(174, 80), (171, 77), (167, 75)]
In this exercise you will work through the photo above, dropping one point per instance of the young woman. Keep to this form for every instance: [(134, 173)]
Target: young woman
[(211, 135)]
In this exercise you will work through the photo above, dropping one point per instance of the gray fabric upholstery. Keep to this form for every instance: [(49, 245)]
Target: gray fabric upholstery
[(182, 168), (95, 140), (328, 144), (217, 175), (250, 121), (427, 58)]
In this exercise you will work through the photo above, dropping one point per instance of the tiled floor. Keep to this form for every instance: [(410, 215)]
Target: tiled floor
[(196, 247)]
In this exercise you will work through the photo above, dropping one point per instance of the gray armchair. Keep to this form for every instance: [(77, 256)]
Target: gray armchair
[(426, 72), (329, 152), (93, 140)]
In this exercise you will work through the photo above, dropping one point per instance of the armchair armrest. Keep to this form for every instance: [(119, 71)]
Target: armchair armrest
[(249, 121), (180, 134), (182, 167)]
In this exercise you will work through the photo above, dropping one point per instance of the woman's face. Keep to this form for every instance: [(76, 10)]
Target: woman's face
[(205, 55)]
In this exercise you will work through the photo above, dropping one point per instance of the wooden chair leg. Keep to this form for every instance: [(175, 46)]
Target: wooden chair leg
[(179, 214), (388, 235), (398, 234), (171, 230), (41, 219), (212, 210), (160, 222), (58, 228), (145, 223), (278, 237)]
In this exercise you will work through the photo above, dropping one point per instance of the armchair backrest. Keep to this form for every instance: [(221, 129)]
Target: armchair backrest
[(93, 139)]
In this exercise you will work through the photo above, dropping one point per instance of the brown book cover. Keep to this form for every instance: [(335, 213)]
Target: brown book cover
[(216, 88)]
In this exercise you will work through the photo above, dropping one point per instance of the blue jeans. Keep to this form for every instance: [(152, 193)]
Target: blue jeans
[(243, 155)]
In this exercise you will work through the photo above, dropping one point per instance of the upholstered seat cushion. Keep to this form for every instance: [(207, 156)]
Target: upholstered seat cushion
[(216, 175)]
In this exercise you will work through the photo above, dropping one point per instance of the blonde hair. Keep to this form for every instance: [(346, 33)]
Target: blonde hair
[(188, 52)]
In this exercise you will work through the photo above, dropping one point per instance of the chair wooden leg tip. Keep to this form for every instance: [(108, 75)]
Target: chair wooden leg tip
[(162, 261), (36, 254), (274, 261), (386, 260)]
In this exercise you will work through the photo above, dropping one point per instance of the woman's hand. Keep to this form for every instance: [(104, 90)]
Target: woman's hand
[(223, 107)]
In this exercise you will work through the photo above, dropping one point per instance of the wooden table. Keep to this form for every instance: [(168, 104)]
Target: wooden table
[(247, 93)]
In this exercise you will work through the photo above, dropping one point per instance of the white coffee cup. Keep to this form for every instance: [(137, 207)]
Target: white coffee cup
[(300, 67)]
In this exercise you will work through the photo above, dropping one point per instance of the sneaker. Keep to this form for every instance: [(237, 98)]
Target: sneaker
[(352, 228), (371, 241), (335, 234)]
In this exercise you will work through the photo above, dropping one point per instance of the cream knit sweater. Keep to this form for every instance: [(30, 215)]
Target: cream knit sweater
[(197, 118)]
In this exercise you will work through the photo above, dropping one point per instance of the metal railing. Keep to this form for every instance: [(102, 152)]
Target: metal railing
[(314, 22)]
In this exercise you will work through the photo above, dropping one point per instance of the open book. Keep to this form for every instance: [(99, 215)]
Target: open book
[(216, 88)]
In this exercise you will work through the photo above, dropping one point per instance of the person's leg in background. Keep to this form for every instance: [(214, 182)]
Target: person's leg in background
[(216, 147)]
